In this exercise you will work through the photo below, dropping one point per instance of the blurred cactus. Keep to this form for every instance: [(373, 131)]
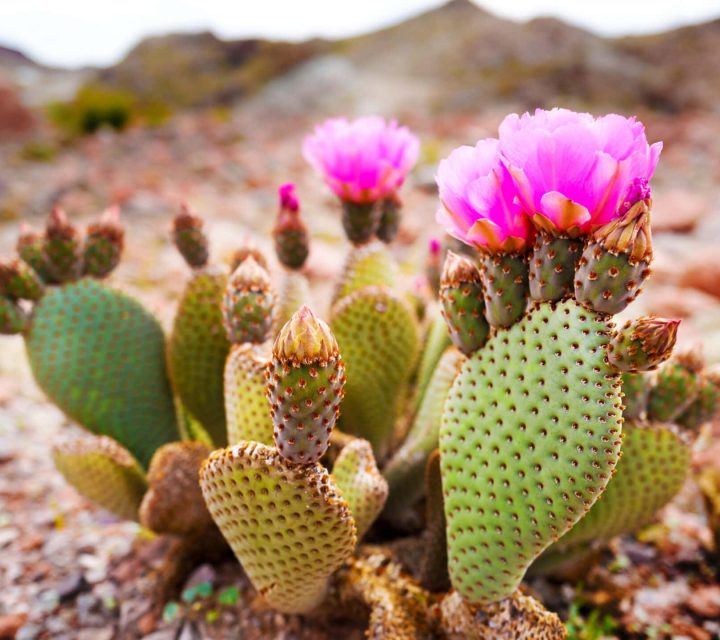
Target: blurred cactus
[(198, 346), (103, 245)]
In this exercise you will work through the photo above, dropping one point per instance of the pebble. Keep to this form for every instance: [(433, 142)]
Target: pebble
[(71, 586), (10, 623), (29, 631)]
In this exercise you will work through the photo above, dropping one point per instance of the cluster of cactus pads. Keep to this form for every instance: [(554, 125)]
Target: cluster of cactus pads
[(509, 426)]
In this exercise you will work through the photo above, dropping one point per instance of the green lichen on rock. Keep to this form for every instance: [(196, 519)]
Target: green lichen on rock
[(529, 440), (100, 356)]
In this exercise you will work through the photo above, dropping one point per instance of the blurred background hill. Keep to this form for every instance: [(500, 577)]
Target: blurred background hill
[(219, 123)]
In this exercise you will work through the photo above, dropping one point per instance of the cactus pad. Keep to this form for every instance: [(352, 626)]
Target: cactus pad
[(174, 503), (357, 476), (675, 388), (505, 280), (529, 440), (365, 266), (103, 472), (198, 348), (705, 405), (287, 524), (405, 470), (654, 465), (100, 356), (378, 337), (18, 281), (635, 391), (293, 293), (12, 317), (246, 407), (552, 266), (248, 304)]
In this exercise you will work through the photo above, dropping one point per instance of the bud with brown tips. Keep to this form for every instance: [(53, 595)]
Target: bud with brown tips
[(642, 344), (104, 244), (249, 304), (189, 237), (306, 381)]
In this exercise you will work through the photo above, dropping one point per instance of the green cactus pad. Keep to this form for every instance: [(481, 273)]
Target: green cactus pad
[(635, 390), (173, 503), (505, 280), (357, 476), (360, 220), (100, 356), (654, 464), (378, 337), (197, 351), (676, 386), (294, 292), (608, 282), (529, 440), (463, 303), (30, 249), (405, 470), (103, 247), (18, 281), (705, 405), (103, 472), (436, 341), (62, 248), (552, 266), (246, 407), (12, 318), (248, 304), (287, 524), (366, 266), (434, 569), (390, 216)]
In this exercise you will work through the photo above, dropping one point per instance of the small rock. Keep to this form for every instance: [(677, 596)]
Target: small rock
[(705, 601), (147, 623), (678, 210), (703, 272), (28, 631), (71, 586), (10, 623), (189, 631), (204, 573), (96, 634)]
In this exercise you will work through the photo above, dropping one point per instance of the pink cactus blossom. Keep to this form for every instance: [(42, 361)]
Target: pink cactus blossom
[(574, 172), (364, 160), (479, 200), (288, 199)]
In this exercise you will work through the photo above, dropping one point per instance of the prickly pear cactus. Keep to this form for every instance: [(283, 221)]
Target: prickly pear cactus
[(529, 440), (246, 407), (358, 478), (288, 524), (378, 337), (103, 472), (653, 468), (366, 266), (100, 356), (197, 350)]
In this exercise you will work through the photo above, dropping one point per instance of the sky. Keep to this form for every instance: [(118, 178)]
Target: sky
[(81, 32)]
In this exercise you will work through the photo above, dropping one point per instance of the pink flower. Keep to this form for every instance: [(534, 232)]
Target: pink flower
[(575, 172), (479, 199), (288, 199), (363, 160)]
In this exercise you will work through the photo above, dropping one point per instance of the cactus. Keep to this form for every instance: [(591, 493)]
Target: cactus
[(62, 248), (366, 266), (305, 387), (290, 233), (653, 468), (405, 470), (643, 344), (12, 318), (675, 388), (616, 262), (103, 245), (198, 346), (378, 337), (390, 214), (100, 356), (104, 472), (436, 340), (356, 475), (505, 280), (247, 410), (552, 266), (18, 281), (461, 294), (248, 304), (287, 524)]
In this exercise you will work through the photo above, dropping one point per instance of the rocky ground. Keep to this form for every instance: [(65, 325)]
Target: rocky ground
[(68, 570)]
